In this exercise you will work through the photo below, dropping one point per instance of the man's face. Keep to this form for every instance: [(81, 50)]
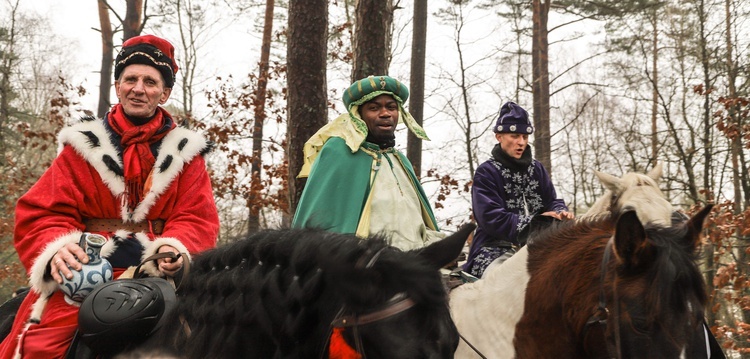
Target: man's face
[(140, 90), (513, 143), (381, 116)]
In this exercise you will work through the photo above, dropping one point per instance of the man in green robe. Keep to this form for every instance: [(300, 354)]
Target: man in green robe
[(358, 182)]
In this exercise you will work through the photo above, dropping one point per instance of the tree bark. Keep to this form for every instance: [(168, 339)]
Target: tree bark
[(372, 38), (540, 85), (253, 222), (655, 87), (307, 96), (105, 68), (131, 25), (416, 83)]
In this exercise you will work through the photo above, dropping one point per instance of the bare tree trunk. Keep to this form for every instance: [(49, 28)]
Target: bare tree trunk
[(105, 69), (372, 38), (416, 83), (253, 222), (654, 88), (307, 97), (190, 57), (736, 140), (540, 85), (708, 186), (132, 25)]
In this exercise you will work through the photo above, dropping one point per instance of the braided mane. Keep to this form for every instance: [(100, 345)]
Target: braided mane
[(275, 293)]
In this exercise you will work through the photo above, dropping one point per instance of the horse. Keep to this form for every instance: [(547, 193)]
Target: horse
[(305, 293), (603, 288), (486, 311), (633, 191)]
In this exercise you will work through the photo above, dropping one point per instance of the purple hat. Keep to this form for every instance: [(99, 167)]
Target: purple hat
[(513, 118)]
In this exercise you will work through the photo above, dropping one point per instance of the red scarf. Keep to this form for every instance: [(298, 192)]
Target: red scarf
[(136, 155)]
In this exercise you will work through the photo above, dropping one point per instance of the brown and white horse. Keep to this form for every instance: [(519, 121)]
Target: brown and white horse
[(486, 312)]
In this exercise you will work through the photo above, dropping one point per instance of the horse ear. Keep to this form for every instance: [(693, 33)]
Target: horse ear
[(695, 224), (445, 251), (656, 172), (631, 246), (609, 182)]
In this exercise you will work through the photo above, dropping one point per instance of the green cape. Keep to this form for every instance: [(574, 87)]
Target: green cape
[(337, 190)]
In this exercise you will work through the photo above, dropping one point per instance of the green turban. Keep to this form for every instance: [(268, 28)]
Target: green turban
[(350, 126)]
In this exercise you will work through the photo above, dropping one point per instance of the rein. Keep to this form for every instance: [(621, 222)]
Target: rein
[(601, 314)]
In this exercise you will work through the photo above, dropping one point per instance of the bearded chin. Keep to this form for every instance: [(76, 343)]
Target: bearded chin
[(383, 141)]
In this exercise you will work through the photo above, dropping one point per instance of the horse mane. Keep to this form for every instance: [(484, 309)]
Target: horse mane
[(674, 282), (265, 295)]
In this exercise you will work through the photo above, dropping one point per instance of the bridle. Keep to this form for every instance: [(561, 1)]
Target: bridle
[(344, 319), (601, 315), (397, 304)]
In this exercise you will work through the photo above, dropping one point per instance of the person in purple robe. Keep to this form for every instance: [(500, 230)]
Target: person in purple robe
[(511, 193)]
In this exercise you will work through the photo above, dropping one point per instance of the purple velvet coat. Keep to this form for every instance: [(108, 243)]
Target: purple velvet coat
[(504, 202)]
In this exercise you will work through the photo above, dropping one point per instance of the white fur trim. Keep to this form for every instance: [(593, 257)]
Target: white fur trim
[(113, 242), (41, 263), (37, 309), (179, 158), (75, 137), (152, 248), (193, 144)]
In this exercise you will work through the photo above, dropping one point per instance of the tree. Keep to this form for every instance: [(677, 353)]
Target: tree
[(540, 81), (416, 83), (307, 97), (372, 38), (105, 68), (260, 115)]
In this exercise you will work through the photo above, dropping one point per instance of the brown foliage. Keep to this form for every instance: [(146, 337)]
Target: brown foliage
[(25, 160), (231, 128), (731, 284)]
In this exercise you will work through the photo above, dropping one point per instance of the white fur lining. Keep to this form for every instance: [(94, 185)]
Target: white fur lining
[(171, 157), (41, 263), (75, 137), (152, 248)]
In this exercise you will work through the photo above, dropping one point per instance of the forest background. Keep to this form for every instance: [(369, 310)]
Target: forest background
[(614, 86)]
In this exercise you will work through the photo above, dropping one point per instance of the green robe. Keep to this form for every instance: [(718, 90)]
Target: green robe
[(338, 187)]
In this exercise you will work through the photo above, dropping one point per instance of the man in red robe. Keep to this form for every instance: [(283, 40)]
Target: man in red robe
[(134, 177)]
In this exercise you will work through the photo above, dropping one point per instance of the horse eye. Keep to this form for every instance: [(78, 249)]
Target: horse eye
[(640, 326)]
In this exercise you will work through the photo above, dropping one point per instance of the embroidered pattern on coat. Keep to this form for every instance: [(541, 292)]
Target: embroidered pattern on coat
[(522, 192)]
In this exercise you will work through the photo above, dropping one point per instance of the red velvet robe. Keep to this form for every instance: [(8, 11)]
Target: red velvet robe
[(85, 181)]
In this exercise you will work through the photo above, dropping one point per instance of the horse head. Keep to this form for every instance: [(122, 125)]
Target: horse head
[(653, 288), (614, 288), (634, 191), (303, 293)]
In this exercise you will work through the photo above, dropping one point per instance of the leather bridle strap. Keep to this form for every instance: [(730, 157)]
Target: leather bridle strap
[(398, 306)]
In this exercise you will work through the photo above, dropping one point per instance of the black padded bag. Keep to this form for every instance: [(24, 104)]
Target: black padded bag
[(124, 312)]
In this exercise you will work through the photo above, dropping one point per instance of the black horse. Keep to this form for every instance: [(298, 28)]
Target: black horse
[(299, 293)]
